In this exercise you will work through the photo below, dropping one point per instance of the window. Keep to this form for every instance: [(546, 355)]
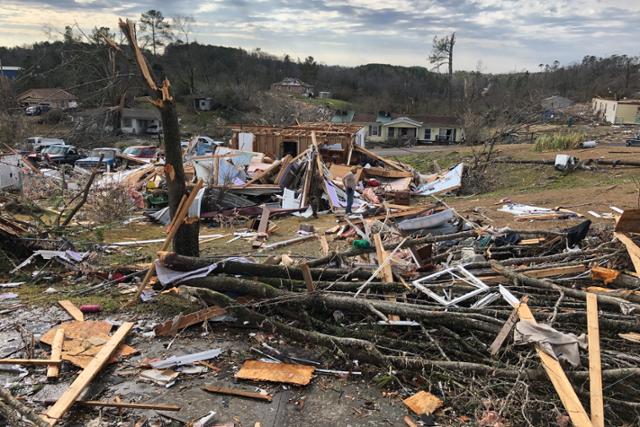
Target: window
[(373, 130), (447, 134), (126, 122), (392, 132), (427, 134)]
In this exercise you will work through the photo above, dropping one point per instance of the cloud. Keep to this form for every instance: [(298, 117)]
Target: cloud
[(503, 34)]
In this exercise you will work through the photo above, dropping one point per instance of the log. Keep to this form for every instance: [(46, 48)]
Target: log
[(28, 413), (547, 284)]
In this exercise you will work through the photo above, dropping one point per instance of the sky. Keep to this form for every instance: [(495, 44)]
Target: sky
[(492, 35)]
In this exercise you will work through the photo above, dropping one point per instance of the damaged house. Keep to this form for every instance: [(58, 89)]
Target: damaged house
[(134, 121), (294, 86), (54, 98)]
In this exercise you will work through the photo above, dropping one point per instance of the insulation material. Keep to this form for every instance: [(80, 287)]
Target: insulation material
[(437, 184)]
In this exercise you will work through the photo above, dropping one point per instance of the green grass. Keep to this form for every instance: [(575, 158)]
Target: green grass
[(559, 141), (336, 104)]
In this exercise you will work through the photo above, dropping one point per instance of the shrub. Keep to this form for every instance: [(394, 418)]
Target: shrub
[(559, 141)]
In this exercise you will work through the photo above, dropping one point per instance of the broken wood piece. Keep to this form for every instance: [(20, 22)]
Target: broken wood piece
[(629, 221), (423, 403), (237, 392), (607, 275), (324, 244), (263, 231), (630, 336), (171, 327), (275, 372), (558, 378), (56, 354), (36, 362), (308, 280), (409, 422), (62, 405), (72, 310), (595, 367), (176, 222), (127, 405), (506, 329), (632, 249), (288, 242)]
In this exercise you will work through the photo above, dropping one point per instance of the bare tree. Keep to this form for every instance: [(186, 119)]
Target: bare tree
[(441, 54), (156, 30), (183, 24)]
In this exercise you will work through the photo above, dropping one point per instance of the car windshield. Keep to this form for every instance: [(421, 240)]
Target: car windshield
[(133, 151), (108, 154), (55, 149)]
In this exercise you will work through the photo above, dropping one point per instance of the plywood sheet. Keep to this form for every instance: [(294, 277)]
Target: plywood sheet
[(423, 403), (275, 372), (83, 340)]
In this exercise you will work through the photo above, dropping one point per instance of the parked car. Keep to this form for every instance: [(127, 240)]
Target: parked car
[(634, 142), (60, 154), (109, 155), (37, 143), (154, 129), (36, 110), (141, 151)]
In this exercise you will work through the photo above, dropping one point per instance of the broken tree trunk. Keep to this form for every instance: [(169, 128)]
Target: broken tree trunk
[(186, 239)]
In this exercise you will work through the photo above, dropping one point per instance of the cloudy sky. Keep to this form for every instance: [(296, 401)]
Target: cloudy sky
[(497, 36)]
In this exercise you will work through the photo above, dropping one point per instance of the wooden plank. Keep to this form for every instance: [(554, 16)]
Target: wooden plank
[(54, 413), (629, 221), (306, 273), (385, 173), (595, 367), (72, 310), (559, 379), (275, 372), (177, 221), (423, 403), (409, 422), (386, 274), (127, 405), (56, 354), (632, 249), (324, 244), (264, 222), (172, 326), (237, 392), (36, 362), (265, 173), (506, 329)]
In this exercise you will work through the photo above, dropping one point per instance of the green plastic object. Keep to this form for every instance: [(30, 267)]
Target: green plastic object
[(361, 244)]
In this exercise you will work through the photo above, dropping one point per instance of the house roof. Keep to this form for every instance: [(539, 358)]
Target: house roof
[(342, 116), (292, 81), (141, 113), (364, 118), (438, 120), (403, 119), (47, 93)]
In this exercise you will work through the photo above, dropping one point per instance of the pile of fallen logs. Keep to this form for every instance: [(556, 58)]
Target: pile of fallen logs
[(383, 317)]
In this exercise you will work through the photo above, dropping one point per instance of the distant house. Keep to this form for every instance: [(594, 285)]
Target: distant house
[(134, 121), (622, 111), (556, 102), (54, 98), (324, 95), (293, 86), (424, 129), (203, 104), (9, 71)]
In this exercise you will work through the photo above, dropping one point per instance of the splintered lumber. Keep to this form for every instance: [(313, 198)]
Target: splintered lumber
[(177, 221), (324, 244), (632, 249), (386, 274), (558, 378), (308, 280), (36, 362), (629, 221), (595, 368), (56, 354), (409, 422), (289, 242), (171, 327), (265, 173), (423, 403), (237, 392), (14, 404), (72, 310), (275, 372), (127, 405), (506, 329), (55, 412), (264, 222)]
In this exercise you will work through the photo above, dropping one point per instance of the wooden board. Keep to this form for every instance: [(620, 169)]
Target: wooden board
[(54, 413), (83, 340), (36, 362), (387, 173), (56, 354), (127, 405), (559, 379), (386, 274), (506, 329), (237, 392), (275, 372), (629, 221), (595, 368), (423, 403), (72, 310), (306, 273), (630, 336), (324, 244), (632, 249), (171, 327)]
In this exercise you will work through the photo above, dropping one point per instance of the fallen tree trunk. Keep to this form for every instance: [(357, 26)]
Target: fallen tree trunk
[(26, 412)]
